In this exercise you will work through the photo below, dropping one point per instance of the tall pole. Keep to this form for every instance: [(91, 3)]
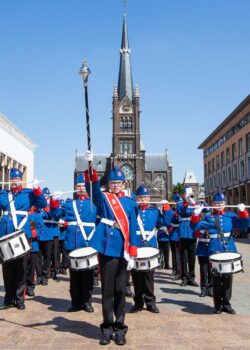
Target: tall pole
[(84, 72)]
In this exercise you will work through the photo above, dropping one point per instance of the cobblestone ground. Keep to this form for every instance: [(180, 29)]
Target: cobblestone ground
[(185, 320)]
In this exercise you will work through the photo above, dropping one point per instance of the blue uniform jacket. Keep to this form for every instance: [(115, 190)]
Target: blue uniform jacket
[(73, 236), (151, 219), (185, 213), (202, 248), (172, 220), (37, 218), (227, 221), (109, 240), (23, 201)]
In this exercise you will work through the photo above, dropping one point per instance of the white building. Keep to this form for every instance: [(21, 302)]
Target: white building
[(16, 149)]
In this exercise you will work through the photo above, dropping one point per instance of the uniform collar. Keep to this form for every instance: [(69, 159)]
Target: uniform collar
[(120, 194), (16, 190), (84, 196), (143, 206), (219, 212)]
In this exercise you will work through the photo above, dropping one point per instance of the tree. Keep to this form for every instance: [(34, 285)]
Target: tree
[(178, 188)]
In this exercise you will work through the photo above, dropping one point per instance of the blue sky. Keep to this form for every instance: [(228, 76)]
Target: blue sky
[(190, 59)]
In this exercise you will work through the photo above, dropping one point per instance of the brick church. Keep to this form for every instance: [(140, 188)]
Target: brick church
[(128, 153)]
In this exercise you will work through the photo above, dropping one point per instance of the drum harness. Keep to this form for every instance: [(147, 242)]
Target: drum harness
[(146, 235), (221, 234), (15, 212), (81, 224)]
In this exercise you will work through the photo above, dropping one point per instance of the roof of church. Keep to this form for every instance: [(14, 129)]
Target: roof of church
[(154, 162), (125, 82), (190, 178)]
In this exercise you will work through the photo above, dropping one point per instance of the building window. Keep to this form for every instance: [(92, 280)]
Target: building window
[(222, 159), (218, 179), (248, 166), (217, 162), (235, 175), (229, 174), (126, 124), (233, 151), (205, 169), (240, 147), (211, 187), (209, 168), (223, 177), (128, 171), (126, 147), (213, 165), (242, 169), (248, 142), (228, 155), (215, 182)]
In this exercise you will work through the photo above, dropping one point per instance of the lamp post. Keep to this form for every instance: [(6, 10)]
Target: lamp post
[(85, 72)]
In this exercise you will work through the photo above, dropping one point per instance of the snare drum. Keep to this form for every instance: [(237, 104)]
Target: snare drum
[(83, 259), (14, 245), (147, 259), (226, 262)]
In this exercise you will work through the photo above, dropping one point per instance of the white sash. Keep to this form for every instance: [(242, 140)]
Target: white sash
[(14, 212), (143, 233), (80, 224)]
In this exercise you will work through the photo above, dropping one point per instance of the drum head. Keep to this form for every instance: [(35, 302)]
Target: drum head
[(225, 256), (82, 252), (147, 252)]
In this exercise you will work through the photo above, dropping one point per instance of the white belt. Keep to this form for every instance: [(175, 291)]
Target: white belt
[(50, 222), (175, 225), (217, 235), (206, 240), (19, 212), (108, 222), (147, 233), (75, 223), (185, 219)]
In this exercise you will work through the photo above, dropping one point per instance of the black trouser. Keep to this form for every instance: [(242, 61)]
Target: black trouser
[(14, 276), (63, 259), (46, 250), (54, 256), (33, 261), (113, 284), (205, 272), (38, 265), (164, 247), (81, 287), (176, 258), (222, 290), (187, 252), (143, 287)]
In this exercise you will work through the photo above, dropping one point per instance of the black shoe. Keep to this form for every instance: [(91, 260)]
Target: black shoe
[(217, 310), (6, 306), (167, 267), (74, 309), (44, 282), (20, 307), (129, 293), (38, 281), (64, 272), (228, 310), (30, 292), (104, 338), (54, 276), (176, 277), (120, 339), (202, 294), (183, 283), (193, 283), (209, 293), (88, 308), (135, 308), (153, 308)]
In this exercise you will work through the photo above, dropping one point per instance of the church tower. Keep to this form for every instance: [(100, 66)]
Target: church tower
[(126, 144)]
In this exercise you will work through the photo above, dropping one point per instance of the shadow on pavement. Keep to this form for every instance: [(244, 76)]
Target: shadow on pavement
[(179, 291), (191, 307), (55, 304)]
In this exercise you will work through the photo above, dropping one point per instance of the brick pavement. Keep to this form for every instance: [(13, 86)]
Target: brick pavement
[(185, 322)]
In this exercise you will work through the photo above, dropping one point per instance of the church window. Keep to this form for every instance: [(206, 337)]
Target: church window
[(126, 147), (126, 124)]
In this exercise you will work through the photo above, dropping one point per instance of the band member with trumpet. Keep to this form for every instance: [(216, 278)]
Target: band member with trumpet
[(219, 226), (115, 241), (78, 217), (16, 204), (187, 238)]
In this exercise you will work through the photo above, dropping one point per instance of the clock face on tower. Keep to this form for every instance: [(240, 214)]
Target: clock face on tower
[(128, 171), (126, 107)]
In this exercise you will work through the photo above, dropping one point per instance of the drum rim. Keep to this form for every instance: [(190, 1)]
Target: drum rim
[(227, 260), (147, 257), (82, 257), (88, 268), (11, 235), (17, 257)]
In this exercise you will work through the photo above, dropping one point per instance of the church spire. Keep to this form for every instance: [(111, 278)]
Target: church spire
[(125, 83)]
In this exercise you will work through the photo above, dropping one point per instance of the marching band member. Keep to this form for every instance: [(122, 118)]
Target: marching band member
[(187, 239), (174, 238), (163, 243), (115, 240), (16, 203), (63, 259), (79, 221), (219, 226), (149, 220)]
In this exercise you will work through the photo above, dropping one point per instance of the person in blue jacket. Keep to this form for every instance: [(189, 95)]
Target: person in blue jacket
[(219, 225), (79, 220), (149, 221), (16, 204), (115, 241)]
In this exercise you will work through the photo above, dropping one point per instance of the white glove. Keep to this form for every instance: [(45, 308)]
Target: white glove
[(131, 263), (35, 183), (56, 195), (241, 207), (190, 200), (198, 209), (164, 201), (89, 156)]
